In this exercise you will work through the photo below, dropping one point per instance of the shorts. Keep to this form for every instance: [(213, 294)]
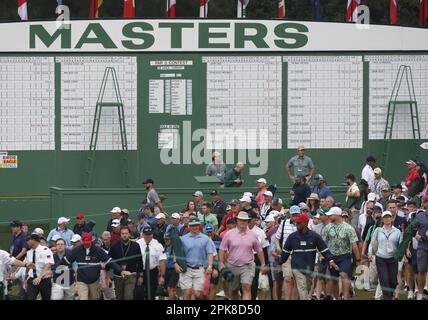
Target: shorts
[(286, 268), (242, 275), (414, 261), (322, 269), (171, 278), (276, 271), (215, 281), (344, 262), (193, 279), (422, 260)]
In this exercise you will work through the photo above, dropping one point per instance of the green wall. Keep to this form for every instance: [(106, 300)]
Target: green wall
[(25, 191)]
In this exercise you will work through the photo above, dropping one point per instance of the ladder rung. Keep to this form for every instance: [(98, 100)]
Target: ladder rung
[(403, 102), (110, 104)]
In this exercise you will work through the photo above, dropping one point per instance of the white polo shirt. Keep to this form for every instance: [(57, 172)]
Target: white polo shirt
[(261, 235), (5, 261), (288, 227), (43, 256), (157, 252)]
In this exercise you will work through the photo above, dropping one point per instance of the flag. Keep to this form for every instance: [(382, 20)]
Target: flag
[(170, 8), (22, 9), (393, 11), (242, 5), (423, 13), (203, 8), (351, 10), (281, 9), (316, 9), (128, 8), (94, 10)]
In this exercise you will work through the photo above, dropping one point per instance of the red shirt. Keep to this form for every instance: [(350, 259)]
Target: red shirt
[(115, 237), (229, 215), (260, 198), (412, 175)]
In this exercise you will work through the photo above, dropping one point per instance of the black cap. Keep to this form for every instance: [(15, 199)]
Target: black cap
[(16, 223), (253, 215), (370, 158), (33, 236), (214, 193), (147, 230), (148, 181), (350, 176), (231, 221), (399, 186)]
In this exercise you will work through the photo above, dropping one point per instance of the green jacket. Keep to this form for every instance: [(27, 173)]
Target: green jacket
[(230, 177), (407, 238)]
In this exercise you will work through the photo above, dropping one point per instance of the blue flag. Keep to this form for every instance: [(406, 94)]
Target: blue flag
[(316, 9)]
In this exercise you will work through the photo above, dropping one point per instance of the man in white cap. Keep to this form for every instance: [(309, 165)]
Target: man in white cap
[(267, 204), (116, 213), (115, 232), (198, 198), (160, 230), (379, 182), (62, 230), (340, 238), (175, 223), (75, 240), (261, 186), (39, 231)]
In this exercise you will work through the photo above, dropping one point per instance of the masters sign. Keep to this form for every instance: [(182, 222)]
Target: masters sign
[(206, 35)]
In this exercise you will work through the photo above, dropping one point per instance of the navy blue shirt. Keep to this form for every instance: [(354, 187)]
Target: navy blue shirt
[(304, 247), (17, 243), (301, 192), (89, 265), (59, 269), (322, 191), (400, 223)]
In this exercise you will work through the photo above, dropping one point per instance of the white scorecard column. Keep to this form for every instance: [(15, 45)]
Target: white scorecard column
[(81, 79), (325, 102), (27, 103), (244, 96), (382, 75)]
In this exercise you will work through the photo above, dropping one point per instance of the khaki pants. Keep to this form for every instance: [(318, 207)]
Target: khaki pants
[(303, 283), (62, 293), (88, 291), (125, 287)]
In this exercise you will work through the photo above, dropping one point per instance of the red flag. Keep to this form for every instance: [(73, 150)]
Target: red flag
[(94, 10), (281, 9), (128, 8), (170, 8), (351, 10), (423, 13), (203, 8), (393, 11), (22, 9)]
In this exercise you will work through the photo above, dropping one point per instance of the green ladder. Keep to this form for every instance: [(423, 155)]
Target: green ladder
[(96, 125), (403, 71)]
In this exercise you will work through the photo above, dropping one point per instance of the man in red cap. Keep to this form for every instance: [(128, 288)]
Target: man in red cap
[(304, 244), (81, 226), (89, 259)]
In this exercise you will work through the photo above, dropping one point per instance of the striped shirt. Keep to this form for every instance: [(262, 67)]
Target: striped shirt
[(285, 229)]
